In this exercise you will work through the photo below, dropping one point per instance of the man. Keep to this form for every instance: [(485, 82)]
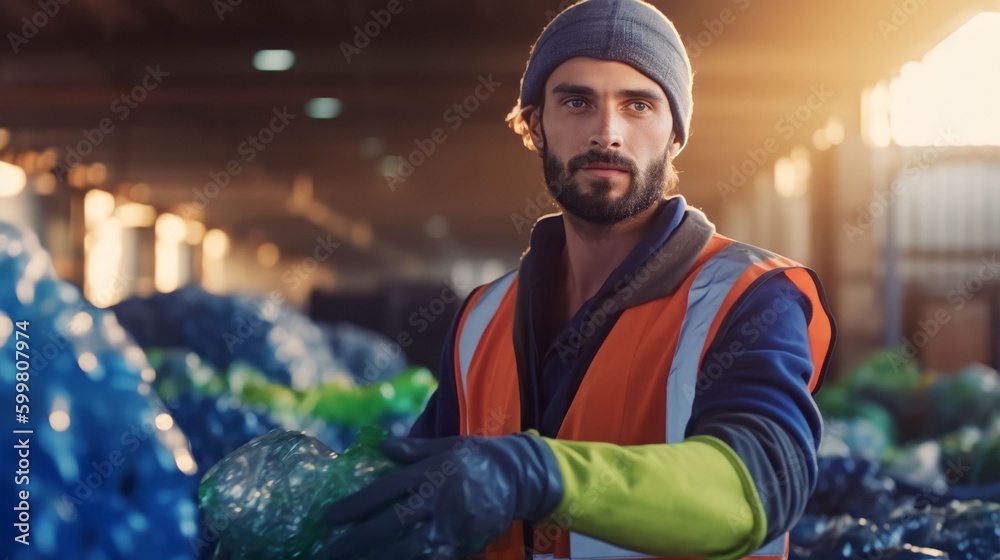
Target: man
[(640, 386)]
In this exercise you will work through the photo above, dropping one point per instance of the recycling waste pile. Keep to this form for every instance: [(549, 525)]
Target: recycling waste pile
[(125, 410), (160, 429), (909, 466)]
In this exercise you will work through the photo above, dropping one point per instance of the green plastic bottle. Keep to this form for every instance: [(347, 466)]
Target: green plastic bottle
[(267, 498), (407, 393)]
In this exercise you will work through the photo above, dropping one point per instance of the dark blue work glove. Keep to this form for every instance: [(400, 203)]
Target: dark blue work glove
[(452, 497)]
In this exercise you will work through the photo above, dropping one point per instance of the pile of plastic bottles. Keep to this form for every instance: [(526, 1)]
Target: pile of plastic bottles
[(278, 341), (220, 411), (860, 512), (232, 368), (909, 466), (126, 417), (366, 354), (104, 466), (888, 411)]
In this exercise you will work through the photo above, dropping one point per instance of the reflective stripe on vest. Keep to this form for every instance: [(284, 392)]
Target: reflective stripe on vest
[(476, 322), (710, 287), (713, 283)]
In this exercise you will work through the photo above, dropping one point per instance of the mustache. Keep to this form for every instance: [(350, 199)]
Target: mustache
[(600, 156)]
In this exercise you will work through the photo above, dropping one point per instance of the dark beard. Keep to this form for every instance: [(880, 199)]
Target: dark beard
[(644, 188)]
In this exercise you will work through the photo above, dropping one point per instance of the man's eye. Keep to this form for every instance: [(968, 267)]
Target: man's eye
[(577, 103), (640, 106)]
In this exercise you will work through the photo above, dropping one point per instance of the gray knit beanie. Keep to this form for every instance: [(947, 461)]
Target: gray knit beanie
[(628, 31)]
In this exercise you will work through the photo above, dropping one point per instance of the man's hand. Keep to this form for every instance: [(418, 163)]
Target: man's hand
[(451, 497)]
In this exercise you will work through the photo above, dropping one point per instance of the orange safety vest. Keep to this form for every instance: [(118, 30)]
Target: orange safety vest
[(642, 386)]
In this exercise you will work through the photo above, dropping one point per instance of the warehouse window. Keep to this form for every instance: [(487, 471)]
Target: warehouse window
[(952, 91)]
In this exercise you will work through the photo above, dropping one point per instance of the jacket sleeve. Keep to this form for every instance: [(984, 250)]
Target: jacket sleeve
[(760, 406), (440, 416), (747, 465)]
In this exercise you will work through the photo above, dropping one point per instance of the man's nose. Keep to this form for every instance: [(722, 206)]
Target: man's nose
[(608, 131)]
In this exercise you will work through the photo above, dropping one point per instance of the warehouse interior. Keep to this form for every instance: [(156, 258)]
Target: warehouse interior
[(347, 162)]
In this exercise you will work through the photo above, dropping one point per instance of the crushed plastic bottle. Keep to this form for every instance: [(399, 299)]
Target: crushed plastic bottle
[(267, 498)]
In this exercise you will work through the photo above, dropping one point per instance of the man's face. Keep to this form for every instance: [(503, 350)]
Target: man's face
[(606, 137)]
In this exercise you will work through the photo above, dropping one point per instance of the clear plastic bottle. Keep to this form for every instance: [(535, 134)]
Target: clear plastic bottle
[(267, 498)]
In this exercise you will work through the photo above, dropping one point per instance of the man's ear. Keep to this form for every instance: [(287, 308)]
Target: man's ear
[(675, 143), (535, 128)]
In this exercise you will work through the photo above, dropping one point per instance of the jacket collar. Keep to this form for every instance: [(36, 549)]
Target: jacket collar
[(662, 259)]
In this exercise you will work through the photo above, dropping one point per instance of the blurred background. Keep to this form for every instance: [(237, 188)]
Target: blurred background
[(301, 194), (804, 113)]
